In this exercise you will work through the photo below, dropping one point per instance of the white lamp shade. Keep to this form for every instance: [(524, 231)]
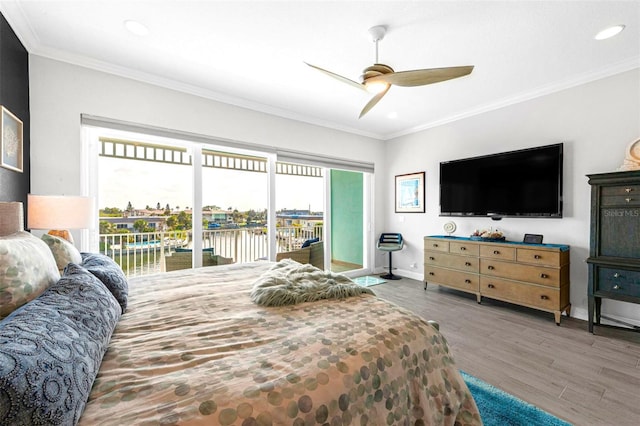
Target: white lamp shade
[(59, 212)]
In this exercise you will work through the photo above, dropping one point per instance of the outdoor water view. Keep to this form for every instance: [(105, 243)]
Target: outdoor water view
[(146, 218)]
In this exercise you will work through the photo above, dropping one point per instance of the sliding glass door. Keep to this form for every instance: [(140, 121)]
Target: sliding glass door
[(170, 204)]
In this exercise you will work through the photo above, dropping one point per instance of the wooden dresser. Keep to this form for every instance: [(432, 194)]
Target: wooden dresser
[(532, 275), (614, 254)]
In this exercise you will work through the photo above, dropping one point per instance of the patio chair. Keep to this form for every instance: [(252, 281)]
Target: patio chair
[(312, 254), (182, 260)]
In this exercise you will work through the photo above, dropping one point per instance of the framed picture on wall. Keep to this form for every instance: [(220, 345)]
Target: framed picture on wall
[(10, 141), (410, 193)]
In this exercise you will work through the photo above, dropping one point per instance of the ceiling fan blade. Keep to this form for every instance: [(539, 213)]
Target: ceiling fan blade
[(373, 101), (423, 77), (339, 77)]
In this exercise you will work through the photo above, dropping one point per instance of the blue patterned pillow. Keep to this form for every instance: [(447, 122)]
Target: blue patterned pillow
[(51, 349), (110, 273)]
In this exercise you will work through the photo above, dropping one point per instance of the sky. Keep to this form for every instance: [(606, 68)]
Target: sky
[(147, 183)]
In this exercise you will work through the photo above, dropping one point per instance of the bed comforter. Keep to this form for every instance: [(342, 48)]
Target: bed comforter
[(193, 349)]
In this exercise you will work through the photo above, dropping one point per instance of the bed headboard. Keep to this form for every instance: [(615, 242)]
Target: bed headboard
[(11, 218)]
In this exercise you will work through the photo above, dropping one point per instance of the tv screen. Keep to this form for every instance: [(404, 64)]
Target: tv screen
[(523, 183)]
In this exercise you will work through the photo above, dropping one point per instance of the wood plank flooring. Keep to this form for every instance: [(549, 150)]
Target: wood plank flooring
[(583, 378)]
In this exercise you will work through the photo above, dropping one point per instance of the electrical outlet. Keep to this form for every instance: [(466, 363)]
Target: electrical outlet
[(414, 265)]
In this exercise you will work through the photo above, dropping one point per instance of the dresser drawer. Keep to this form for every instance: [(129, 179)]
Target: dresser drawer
[(620, 200), (436, 244), (462, 263), (539, 257), (450, 278), (529, 273), (547, 298), (632, 190), (466, 249), (498, 252), (618, 281)]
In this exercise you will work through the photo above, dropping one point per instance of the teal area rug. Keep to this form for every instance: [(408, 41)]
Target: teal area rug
[(368, 281), (498, 408)]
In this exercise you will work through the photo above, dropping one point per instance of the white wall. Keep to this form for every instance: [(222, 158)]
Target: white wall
[(61, 92), (596, 122)]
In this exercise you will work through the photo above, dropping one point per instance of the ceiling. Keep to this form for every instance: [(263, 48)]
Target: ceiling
[(252, 53)]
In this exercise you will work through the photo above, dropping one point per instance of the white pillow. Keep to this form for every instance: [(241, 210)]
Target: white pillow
[(63, 251), (27, 268)]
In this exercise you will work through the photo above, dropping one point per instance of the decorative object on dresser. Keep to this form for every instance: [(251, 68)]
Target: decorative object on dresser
[(614, 254), (632, 157), (59, 213), (449, 228), (536, 276)]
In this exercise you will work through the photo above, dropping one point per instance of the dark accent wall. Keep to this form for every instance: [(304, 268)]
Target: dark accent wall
[(14, 95)]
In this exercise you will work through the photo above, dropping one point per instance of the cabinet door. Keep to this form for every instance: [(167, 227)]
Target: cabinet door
[(620, 232)]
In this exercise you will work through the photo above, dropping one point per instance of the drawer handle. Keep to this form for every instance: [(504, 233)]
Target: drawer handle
[(616, 275), (496, 252), (544, 276), (616, 287), (431, 273), (435, 245), (467, 281), (537, 256), (543, 297), (463, 248), (628, 190), (432, 258), (628, 199), (491, 268), (491, 286), (467, 264)]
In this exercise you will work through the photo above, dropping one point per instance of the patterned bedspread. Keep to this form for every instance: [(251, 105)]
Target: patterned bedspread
[(193, 349)]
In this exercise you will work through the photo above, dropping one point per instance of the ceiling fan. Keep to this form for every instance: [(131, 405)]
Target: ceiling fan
[(378, 78)]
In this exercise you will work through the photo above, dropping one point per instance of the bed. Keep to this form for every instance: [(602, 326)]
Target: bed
[(191, 347)]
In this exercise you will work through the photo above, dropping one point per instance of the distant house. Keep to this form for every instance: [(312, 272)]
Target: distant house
[(155, 222), (302, 218), (218, 216)]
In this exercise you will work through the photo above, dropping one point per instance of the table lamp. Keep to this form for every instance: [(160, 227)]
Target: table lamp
[(59, 213)]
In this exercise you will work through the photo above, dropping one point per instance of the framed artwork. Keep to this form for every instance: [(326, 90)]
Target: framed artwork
[(410, 193), (10, 141)]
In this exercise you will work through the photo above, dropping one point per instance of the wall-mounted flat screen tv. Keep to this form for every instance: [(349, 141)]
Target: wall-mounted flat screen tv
[(523, 183)]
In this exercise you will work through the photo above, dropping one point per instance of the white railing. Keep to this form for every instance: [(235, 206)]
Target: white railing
[(143, 253)]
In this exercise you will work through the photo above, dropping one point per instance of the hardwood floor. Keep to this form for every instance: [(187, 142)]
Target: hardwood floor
[(582, 378)]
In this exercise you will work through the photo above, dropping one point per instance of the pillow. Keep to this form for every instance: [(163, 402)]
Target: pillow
[(63, 251), (51, 350), (27, 268), (307, 243), (110, 273)]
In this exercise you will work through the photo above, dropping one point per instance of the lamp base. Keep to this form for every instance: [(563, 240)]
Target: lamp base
[(64, 234)]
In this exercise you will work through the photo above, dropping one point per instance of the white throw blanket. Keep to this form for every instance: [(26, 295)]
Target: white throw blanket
[(289, 282)]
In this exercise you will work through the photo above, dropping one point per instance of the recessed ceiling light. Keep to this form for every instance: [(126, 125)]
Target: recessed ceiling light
[(609, 32), (135, 27), (392, 115)]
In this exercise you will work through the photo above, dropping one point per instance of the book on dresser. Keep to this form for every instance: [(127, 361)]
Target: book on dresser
[(532, 275)]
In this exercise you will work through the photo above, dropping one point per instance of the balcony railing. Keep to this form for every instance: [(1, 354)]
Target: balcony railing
[(143, 253)]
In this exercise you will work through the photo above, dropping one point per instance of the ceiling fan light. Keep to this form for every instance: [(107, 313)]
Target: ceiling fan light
[(376, 87), (135, 27), (609, 32)]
